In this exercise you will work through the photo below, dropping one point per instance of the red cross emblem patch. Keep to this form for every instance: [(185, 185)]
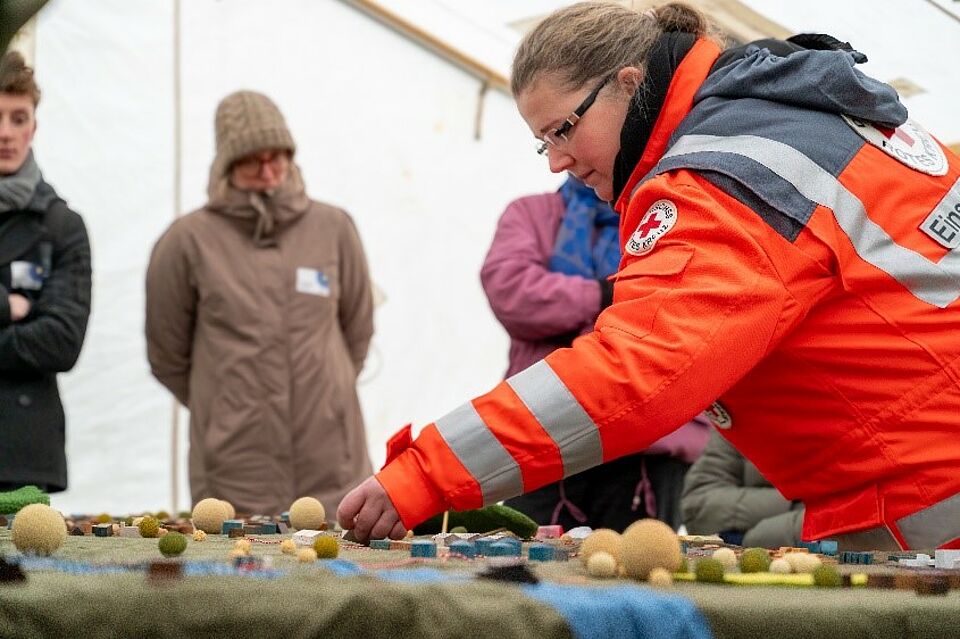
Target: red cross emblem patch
[(659, 219)]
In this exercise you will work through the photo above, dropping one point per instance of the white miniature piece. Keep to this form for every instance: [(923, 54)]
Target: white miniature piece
[(306, 537), (947, 559)]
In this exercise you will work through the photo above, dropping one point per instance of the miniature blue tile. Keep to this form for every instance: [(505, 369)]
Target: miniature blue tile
[(103, 530), (812, 546), (423, 548), (828, 547), (380, 544), (483, 546), (269, 528), (464, 549), (541, 552), (285, 517), (504, 549), (231, 524)]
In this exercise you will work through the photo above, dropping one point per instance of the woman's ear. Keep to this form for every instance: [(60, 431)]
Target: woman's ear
[(629, 79)]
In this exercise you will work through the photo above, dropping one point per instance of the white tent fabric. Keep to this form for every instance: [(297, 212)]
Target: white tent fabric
[(385, 129)]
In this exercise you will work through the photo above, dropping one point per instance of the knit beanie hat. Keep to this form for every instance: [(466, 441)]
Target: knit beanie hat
[(247, 122)]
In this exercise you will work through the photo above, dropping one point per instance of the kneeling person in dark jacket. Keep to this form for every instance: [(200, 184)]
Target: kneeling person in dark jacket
[(44, 295), (724, 493)]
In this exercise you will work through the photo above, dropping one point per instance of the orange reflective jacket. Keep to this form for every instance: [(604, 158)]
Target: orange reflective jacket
[(795, 263)]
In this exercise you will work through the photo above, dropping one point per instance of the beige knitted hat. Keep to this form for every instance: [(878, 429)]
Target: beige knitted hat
[(247, 122)]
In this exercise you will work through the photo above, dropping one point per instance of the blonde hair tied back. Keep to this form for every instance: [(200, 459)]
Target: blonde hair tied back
[(581, 43)]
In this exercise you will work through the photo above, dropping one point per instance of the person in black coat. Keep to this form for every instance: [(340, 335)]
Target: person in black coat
[(44, 295)]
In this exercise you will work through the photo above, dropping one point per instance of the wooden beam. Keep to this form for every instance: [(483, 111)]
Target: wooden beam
[(471, 65)]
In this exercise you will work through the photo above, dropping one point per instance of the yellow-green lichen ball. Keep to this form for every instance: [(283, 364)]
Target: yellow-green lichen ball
[(649, 544), (307, 513), (208, 515), (601, 540), (172, 544), (149, 527), (104, 519), (326, 547), (38, 529), (709, 570), (827, 577), (754, 560)]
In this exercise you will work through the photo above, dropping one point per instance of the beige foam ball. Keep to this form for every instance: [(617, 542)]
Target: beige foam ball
[(725, 556), (38, 529), (306, 555), (199, 535), (660, 578), (780, 566), (602, 565), (601, 540), (231, 511), (307, 513), (649, 544), (288, 547), (797, 560), (244, 545), (807, 563), (208, 515)]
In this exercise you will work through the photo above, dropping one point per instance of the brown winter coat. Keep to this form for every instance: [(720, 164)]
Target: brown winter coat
[(264, 352)]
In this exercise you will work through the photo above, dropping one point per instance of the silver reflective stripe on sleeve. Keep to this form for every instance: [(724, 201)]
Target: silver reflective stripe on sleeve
[(933, 526), (934, 283), (481, 453), (561, 415)]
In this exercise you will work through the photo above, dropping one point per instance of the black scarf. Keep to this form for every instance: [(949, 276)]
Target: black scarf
[(665, 56)]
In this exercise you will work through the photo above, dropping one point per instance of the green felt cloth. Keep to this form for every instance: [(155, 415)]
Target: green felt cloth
[(313, 603)]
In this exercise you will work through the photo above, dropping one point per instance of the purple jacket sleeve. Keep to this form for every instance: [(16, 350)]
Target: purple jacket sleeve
[(530, 301)]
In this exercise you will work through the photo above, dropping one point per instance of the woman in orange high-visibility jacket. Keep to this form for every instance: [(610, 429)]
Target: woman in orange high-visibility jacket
[(790, 247)]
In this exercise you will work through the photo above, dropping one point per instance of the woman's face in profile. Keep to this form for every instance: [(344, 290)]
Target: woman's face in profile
[(17, 126)]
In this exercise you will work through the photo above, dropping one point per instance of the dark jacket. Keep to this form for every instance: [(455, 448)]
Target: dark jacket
[(724, 493), (44, 256)]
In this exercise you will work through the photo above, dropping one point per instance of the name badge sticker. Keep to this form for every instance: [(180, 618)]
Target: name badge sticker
[(312, 282)]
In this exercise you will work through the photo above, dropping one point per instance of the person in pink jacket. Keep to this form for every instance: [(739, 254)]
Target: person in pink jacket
[(545, 277)]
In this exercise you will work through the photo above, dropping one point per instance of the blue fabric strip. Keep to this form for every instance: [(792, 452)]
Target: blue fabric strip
[(627, 612)]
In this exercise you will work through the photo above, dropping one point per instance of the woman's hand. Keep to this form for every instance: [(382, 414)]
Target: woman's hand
[(369, 513)]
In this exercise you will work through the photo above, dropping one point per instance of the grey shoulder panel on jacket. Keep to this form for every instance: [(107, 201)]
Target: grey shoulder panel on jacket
[(795, 101)]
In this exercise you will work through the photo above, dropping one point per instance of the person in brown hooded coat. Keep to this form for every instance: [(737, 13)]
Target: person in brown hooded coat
[(258, 318)]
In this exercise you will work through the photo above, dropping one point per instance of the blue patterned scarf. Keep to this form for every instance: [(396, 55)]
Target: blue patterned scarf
[(588, 242)]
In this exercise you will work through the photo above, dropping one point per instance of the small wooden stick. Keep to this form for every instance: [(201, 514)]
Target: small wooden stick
[(446, 520)]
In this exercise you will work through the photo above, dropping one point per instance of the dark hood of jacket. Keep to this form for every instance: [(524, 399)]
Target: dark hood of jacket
[(782, 71), (810, 79)]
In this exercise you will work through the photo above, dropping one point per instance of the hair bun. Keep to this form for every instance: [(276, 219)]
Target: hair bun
[(680, 17)]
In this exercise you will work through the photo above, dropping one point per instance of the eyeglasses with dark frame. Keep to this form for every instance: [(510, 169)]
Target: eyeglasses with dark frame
[(559, 135)]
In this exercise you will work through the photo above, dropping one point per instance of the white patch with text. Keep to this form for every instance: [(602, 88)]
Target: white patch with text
[(659, 219), (909, 143), (717, 414)]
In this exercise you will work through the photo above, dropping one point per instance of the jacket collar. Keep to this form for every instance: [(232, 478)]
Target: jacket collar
[(690, 74)]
